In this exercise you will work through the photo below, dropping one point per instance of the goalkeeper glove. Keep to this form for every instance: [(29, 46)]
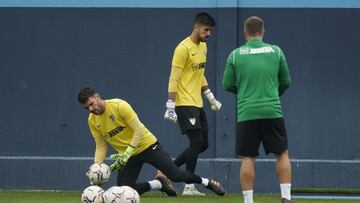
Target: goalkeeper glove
[(121, 159), (170, 113), (215, 104)]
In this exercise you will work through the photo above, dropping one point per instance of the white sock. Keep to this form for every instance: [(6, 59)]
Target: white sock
[(205, 181), (248, 196), (155, 184), (285, 190), (189, 185)]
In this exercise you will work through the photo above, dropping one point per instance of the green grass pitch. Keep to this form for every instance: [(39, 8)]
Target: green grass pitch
[(9, 196)]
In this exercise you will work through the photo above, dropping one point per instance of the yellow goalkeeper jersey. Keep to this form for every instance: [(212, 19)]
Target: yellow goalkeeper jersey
[(191, 58), (112, 125)]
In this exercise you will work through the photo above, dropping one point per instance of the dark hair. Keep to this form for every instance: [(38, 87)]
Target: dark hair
[(204, 19), (85, 93), (254, 25)]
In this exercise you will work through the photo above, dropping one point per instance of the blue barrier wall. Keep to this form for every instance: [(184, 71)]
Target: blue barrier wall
[(48, 54)]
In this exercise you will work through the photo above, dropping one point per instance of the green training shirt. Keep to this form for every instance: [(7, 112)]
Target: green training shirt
[(258, 74)]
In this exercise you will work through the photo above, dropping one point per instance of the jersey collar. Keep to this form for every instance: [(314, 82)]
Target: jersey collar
[(254, 42)]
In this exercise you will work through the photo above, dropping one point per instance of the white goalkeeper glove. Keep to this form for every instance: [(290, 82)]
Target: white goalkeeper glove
[(215, 104), (170, 113)]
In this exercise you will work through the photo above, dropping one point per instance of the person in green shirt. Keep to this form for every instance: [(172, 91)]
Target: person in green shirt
[(258, 74)]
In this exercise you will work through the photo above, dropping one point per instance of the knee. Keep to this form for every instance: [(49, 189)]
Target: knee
[(282, 156), (198, 145), (247, 166)]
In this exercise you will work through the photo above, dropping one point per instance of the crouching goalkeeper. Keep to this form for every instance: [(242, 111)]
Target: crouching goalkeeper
[(113, 121)]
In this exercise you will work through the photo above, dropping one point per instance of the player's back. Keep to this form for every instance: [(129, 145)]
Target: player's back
[(257, 67)]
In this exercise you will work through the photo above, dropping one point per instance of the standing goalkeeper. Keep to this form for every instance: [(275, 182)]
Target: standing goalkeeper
[(113, 121), (258, 74), (187, 82)]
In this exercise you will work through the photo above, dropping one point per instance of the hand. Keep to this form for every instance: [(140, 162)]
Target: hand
[(215, 104), (170, 113), (121, 159)]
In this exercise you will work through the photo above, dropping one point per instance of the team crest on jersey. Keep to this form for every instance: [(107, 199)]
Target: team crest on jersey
[(112, 117)]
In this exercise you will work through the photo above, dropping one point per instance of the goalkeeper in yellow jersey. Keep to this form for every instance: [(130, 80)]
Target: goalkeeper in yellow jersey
[(114, 122), (187, 82)]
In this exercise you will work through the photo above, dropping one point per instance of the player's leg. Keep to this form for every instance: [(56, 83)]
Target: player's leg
[(275, 141), (247, 178), (190, 189), (129, 174), (203, 141), (191, 121), (196, 146), (162, 161), (205, 130), (247, 144), (198, 137), (283, 171)]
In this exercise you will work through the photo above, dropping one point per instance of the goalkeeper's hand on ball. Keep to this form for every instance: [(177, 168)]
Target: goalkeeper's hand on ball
[(121, 159)]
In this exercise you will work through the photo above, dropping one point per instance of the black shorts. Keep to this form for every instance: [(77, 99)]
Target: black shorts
[(191, 118), (270, 132)]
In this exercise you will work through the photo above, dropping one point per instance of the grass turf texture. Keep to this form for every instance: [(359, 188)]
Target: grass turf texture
[(9, 196)]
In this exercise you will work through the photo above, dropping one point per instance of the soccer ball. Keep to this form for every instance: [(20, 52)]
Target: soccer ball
[(92, 194), (98, 173), (123, 194)]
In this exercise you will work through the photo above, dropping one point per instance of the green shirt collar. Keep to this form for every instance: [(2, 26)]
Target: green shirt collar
[(254, 42)]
